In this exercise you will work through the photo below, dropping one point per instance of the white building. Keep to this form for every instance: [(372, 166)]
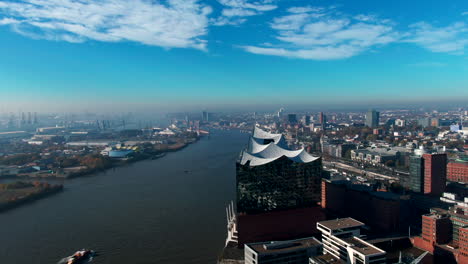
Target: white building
[(296, 251), (341, 241), (400, 122)]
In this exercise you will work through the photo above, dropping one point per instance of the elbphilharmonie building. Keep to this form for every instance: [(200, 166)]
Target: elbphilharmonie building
[(272, 177)]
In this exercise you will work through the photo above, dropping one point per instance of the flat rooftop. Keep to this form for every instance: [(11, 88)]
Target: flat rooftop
[(362, 247), (341, 223), (328, 259), (284, 246)]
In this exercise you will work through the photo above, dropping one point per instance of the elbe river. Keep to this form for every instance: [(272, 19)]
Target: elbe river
[(169, 210)]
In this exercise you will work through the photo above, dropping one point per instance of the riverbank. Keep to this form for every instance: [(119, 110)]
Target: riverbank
[(18, 193), (23, 191), (97, 163), (159, 152)]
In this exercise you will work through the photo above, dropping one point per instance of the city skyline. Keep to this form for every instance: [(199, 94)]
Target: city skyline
[(227, 54)]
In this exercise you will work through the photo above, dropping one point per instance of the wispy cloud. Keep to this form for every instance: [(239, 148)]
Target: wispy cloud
[(325, 34), (234, 11), (302, 9), (465, 13), (259, 5), (172, 23), (451, 39)]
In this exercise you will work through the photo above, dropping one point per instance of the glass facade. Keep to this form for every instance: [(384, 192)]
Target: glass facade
[(416, 174), (280, 184)]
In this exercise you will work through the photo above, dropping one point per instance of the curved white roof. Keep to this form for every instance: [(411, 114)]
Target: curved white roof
[(258, 153)]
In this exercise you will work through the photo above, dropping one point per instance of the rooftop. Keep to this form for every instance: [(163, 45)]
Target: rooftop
[(284, 246), (341, 223), (328, 259), (362, 247), (265, 147)]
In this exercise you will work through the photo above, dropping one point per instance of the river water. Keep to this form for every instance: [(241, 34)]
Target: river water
[(169, 210)]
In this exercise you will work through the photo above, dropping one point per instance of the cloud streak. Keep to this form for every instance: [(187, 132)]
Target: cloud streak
[(169, 24), (324, 34), (451, 39), (234, 11)]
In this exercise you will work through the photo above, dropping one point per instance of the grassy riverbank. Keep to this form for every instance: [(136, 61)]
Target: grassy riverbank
[(18, 193)]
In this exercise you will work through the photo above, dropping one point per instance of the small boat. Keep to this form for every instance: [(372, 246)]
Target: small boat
[(80, 256)]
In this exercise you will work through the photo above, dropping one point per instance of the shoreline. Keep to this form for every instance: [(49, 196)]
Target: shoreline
[(50, 190), (30, 198), (115, 164), (125, 162)]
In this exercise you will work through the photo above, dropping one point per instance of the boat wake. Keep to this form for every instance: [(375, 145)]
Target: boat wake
[(67, 259), (63, 261)]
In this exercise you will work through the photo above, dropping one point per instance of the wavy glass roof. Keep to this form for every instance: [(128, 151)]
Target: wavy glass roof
[(265, 147)]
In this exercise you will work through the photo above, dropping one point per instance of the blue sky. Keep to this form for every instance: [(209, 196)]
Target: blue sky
[(79, 54)]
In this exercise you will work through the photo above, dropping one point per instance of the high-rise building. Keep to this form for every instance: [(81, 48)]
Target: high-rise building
[(435, 173), (322, 118), (416, 174), (23, 118), (278, 190), (307, 120), (272, 177), (292, 118), (280, 112), (372, 118), (205, 116)]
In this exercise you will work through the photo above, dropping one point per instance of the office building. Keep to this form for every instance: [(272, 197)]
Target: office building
[(280, 112), (462, 256), (372, 118), (424, 122), (292, 118), (205, 116), (307, 120), (436, 228), (444, 234), (322, 119), (341, 241), (435, 173), (457, 171), (384, 212), (296, 251), (416, 174)]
